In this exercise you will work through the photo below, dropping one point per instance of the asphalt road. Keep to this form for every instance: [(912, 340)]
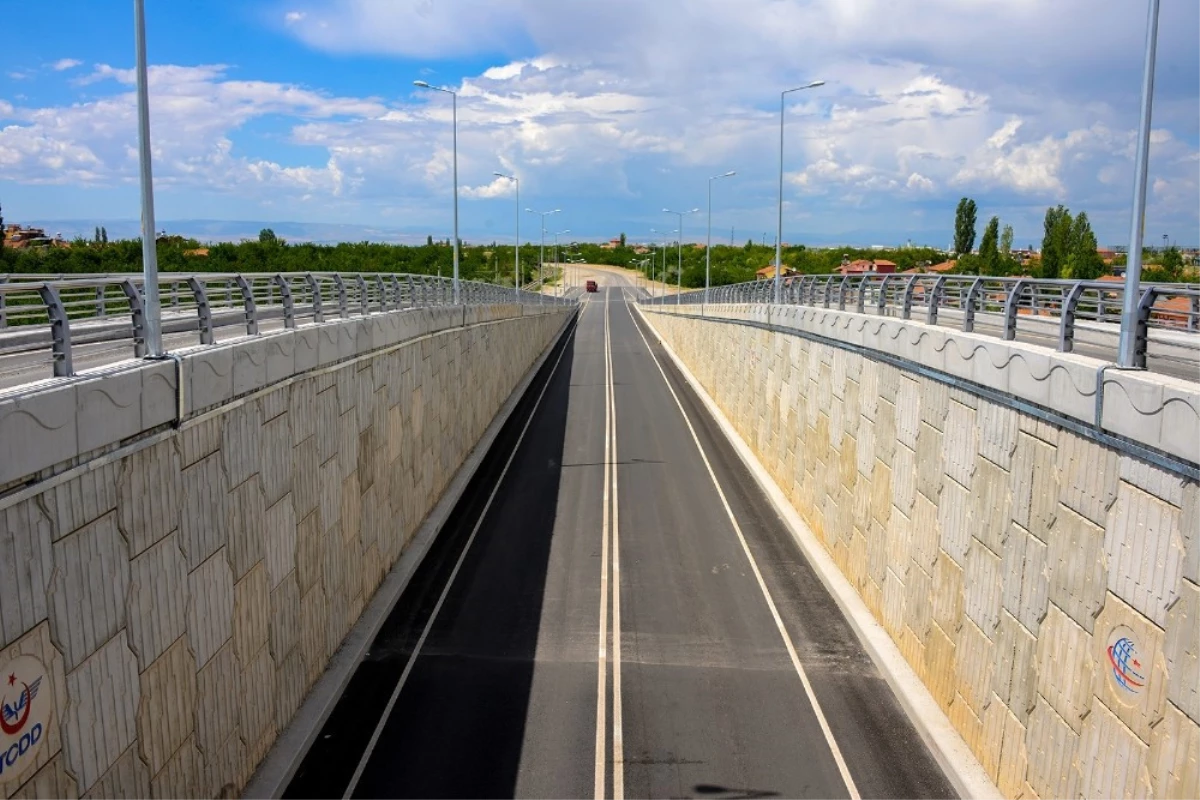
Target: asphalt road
[(613, 611)]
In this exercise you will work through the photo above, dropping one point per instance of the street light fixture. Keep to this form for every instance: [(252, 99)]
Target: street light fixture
[(542, 251), (779, 229), (679, 276), (1127, 345), (517, 246), (454, 105), (708, 243), (662, 284)]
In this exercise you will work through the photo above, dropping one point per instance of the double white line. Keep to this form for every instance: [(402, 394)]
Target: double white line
[(610, 531)]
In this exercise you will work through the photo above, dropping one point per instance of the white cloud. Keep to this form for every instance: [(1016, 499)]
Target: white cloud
[(64, 64), (292, 17), (500, 187), (919, 182)]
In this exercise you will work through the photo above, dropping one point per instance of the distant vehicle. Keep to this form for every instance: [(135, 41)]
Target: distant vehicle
[(591, 286)]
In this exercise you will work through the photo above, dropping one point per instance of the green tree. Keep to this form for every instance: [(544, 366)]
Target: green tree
[(622, 240), (1006, 240), (1056, 241), (989, 254), (96, 237), (429, 240), (267, 236), (964, 226), (1172, 263), (1083, 262), (103, 236)]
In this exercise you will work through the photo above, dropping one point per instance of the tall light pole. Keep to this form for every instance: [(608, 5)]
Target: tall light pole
[(563, 286), (542, 251), (679, 276), (153, 309), (1127, 355), (708, 242), (454, 106), (516, 247), (779, 229), (662, 285)]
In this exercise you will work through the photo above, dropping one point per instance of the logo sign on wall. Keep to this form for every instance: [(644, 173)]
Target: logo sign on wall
[(25, 710), (1125, 661)]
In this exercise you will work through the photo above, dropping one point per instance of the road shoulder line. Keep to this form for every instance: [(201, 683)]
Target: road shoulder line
[(956, 760)]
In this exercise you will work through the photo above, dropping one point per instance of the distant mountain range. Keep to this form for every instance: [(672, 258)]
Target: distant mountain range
[(215, 230)]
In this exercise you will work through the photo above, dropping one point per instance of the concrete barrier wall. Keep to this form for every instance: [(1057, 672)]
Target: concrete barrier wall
[(182, 566), (1042, 583)]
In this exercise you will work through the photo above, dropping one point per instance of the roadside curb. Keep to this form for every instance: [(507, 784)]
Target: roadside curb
[(948, 748)]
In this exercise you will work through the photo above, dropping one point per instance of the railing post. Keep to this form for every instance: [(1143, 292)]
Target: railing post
[(909, 287), (842, 293), (203, 312), (935, 298), (101, 306), (60, 331), (249, 307), (1066, 320), (968, 323), (382, 287), (1141, 324), (1011, 306), (285, 298), (318, 313), (137, 314), (343, 312), (881, 301), (362, 296), (3, 307), (1192, 324)]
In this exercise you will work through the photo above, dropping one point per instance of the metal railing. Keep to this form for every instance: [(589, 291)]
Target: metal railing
[(60, 315), (1005, 307)]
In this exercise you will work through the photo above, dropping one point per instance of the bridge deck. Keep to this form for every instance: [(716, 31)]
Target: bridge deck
[(617, 619)]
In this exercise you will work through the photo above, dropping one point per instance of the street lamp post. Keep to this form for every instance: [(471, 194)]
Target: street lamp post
[(679, 230), (454, 110), (153, 309), (779, 229), (708, 242), (542, 250), (563, 286), (1127, 345), (662, 284), (517, 246)]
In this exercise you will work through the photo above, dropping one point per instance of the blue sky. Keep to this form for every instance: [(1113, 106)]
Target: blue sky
[(304, 111)]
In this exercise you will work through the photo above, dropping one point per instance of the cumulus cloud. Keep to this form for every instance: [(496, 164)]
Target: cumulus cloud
[(64, 64)]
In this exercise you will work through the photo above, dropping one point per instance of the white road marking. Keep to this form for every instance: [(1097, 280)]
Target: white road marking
[(602, 655), (787, 639), (387, 711), (617, 731)]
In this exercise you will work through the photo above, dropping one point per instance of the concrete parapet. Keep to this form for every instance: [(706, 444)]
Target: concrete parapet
[(1036, 567), (184, 544)]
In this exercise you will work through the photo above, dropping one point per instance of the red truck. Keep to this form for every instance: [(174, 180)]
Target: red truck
[(591, 286)]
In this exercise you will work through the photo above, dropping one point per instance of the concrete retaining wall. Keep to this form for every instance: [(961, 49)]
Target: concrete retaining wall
[(1004, 554), (183, 565)]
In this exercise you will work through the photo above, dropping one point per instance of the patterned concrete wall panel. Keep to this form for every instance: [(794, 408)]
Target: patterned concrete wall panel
[(308, 552), (250, 366), (218, 693), (181, 776), (38, 430), (87, 594), (865, 447), (26, 564), (241, 442), (1112, 761), (82, 499), (148, 495), (908, 410), (198, 439), (904, 478), (129, 777), (931, 467), (997, 434), (947, 598), (1152, 480), (157, 600), (939, 666), (313, 640), (204, 521), (973, 667), (330, 494), (1035, 489), (991, 504), (274, 403), (251, 613), (208, 376), (935, 404), (284, 631), (1066, 670), (275, 458), (256, 711), (1052, 747), (210, 607), (1174, 756), (925, 533), (279, 540), (954, 520), (224, 770), (1131, 675), (349, 435), (917, 611), (885, 431), (984, 583), (108, 408), (328, 432), (289, 687), (99, 721), (1088, 474), (246, 512), (1026, 576), (1078, 567), (1015, 678), (302, 409), (306, 477), (281, 356), (1145, 551), (165, 718), (1182, 650), (893, 604), (959, 443), (51, 780)]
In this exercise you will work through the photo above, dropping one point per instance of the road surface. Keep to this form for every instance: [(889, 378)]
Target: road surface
[(614, 610)]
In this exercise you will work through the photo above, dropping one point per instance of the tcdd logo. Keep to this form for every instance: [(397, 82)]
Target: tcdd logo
[(1123, 658), (24, 716)]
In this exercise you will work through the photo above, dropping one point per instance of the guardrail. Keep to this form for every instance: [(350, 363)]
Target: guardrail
[(1010, 304), (37, 313)]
